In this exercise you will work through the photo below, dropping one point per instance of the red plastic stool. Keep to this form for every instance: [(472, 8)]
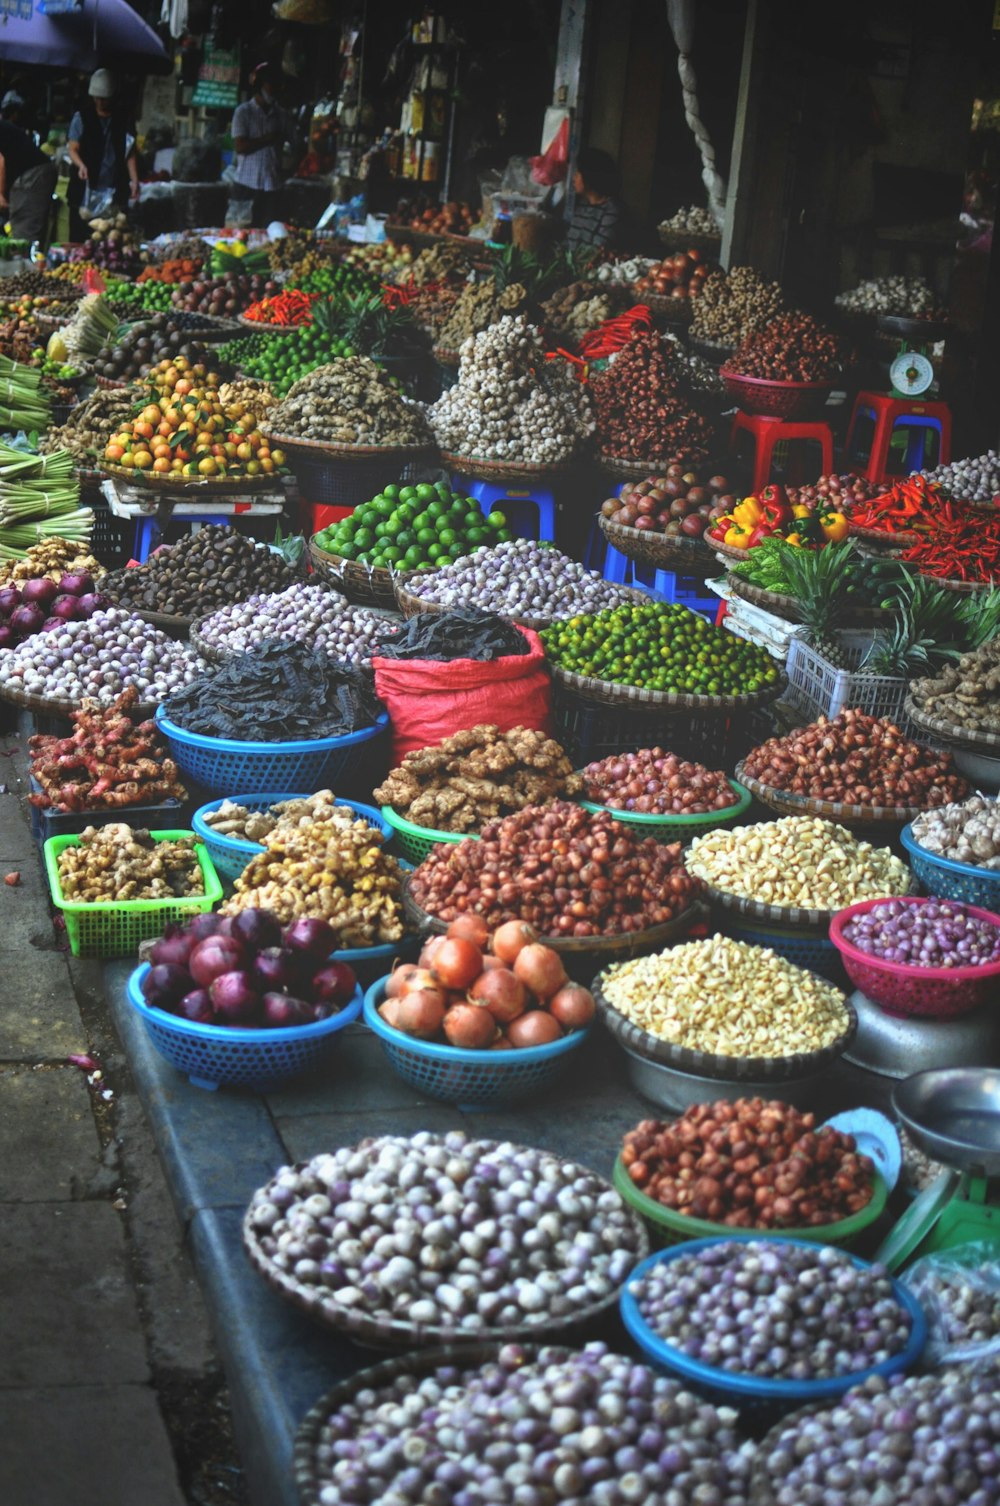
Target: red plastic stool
[(889, 413), (768, 432)]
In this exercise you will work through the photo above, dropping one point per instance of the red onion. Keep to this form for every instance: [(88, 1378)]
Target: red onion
[(234, 997), (213, 957), (281, 1010), (40, 592), (314, 937), (174, 946), (334, 984), (10, 597), (164, 985), (27, 619), (77, 583), (257, 928)]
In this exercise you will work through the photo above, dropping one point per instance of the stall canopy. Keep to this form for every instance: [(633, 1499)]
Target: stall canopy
[(81, 34)]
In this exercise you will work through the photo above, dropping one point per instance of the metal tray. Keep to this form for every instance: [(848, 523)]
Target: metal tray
[(892, 1046), (675, 1090), (953, 1116)]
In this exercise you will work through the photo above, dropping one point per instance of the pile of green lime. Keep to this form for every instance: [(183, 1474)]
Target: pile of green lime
[(422, 527), (281, 359), (659, 646)]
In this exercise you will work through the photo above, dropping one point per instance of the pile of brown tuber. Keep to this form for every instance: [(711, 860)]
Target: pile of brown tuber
[(750, 1164), (107, 763), (476, 775)]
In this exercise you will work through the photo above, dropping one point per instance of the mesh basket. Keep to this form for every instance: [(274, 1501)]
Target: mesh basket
[(589, 732), (819, 688), (947, 879), (114, 928), (215, 1056), (679, 828), (415, 842), (776, 399), (231, 855), (338, 483), (817, 954), (111, 538), (218, 764), (470, 1079)]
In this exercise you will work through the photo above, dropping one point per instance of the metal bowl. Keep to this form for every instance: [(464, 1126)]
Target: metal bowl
[(953, 1115), (894, 1046), (673, 1089), (982, 770)]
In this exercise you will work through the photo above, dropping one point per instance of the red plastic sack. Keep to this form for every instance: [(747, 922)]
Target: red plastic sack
[(550, 168), (428, 700)]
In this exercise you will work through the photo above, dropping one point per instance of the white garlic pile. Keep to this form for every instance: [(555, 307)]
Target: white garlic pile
[(622, 273), (692, 221), (888, 295), (509, 403)]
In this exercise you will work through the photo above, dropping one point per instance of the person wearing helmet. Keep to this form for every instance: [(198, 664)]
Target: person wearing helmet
[(101, 147), (260, 129), (27, 176)]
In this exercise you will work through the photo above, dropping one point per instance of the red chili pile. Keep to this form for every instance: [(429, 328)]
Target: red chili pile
[(749, 1164), (287, 309), (565, 870), (610, 336), (654, 783), (856, 759), (957, 541), (640, 413), (792, 348)]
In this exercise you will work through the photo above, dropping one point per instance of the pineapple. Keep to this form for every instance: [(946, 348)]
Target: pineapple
[(925, 635), (818, 579)]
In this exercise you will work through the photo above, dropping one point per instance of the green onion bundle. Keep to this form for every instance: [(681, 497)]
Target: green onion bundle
[(24, 403), (39, 498)]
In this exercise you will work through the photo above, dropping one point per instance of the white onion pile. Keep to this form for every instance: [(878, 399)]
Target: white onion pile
[(974, 479), (308, 614), (509, 403), (100, 658), (520, 579), (888, 295), (447, 1231)]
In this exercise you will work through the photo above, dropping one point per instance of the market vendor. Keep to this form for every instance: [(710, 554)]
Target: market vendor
[(101, 147), (599, 217), (27, 176), (260, 129)]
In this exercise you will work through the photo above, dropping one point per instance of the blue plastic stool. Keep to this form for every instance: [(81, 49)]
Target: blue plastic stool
[(665, 585), (600, 555), (147, 529), (514, 502)]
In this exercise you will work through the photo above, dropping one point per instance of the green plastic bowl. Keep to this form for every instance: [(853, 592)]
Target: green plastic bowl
[(673, 1228), (679, 828), (415, 842)]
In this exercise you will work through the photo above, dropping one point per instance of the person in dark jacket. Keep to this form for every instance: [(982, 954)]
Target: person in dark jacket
[(27, 176), (101, 147), (598, 217)]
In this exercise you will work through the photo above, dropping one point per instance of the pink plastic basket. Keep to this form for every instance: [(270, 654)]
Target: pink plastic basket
[(775, 399), (899, 989)]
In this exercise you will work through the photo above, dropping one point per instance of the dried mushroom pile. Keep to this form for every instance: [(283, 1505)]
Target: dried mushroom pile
[(509, 403), (119, 863), (732, 305), (351, 401), (967, 693), (479, 305), (968, 832), (474, 776), (324, 862)]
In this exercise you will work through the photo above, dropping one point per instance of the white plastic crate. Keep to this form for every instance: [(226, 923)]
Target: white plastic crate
[(821, 689)]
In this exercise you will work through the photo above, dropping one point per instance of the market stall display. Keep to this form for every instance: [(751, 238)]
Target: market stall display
[(509, 405), (572, 312), (111, 244), (783, 367), (52, 556), (41, 605), (223, 296), (199, 573), (973, 479), (403, 528), (652, 782), (158, 341), (662, 519), (315, 616), (397, 1308), (733, 304), (350, 405), (927, 957), (962, 701), (894, 294), (90, 426), (477, 306), (966, 832)]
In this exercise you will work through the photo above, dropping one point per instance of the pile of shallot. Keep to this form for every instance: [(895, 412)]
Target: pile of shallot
[(486, 993)]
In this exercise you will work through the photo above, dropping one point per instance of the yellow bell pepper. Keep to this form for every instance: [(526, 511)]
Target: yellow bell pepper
[(794, 538), (834, 526), (800, 510), (748, 513), (737, 537)]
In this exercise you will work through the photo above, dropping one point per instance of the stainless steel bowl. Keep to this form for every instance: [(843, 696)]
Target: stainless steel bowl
[(895, 1047), (672, 1089), (953, 1115), (982, 770)]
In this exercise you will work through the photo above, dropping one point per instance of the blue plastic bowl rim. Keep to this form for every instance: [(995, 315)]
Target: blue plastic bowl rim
[(763, 1388), (909, 841), (304, 745), (220, 1033), (525, 1055), (236, 847)]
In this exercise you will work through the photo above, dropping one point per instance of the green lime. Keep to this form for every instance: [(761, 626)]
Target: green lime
[(447, 536), (364, 538), (426, 536), (425, 492), (408, 494), (422, 520), (476, 536), (392, 555), (413, 556), (505, 536), (391, 491), (405, 538), (434, 552), (437, 509), (496, 520)]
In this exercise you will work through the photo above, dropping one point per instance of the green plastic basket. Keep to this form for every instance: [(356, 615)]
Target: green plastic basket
[(680, 828), (114, 928), (673, 1228), (415, 842)]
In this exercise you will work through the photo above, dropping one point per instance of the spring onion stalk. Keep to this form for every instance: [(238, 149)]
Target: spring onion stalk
[(76, 526), (26, 377)]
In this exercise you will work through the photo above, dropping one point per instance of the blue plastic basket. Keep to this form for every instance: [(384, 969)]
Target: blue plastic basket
[(215, 1056), (470, 1079), (218, 764), (747, 1391), (231, 855), (815, 953), (946, 879)]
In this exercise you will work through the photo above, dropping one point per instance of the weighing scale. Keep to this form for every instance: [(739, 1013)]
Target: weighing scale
[(953, 1116), (912, 369)]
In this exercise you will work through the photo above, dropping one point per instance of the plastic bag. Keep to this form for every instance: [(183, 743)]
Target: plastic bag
[(428, 699), (550, 168), (959, 1291), (97, 202)]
